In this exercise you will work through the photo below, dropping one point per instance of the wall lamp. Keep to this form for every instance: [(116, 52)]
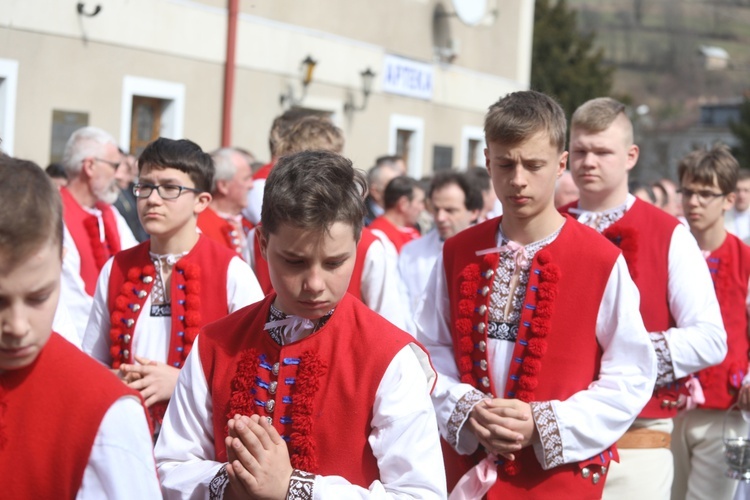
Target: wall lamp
[(368, 76), (307, 66)]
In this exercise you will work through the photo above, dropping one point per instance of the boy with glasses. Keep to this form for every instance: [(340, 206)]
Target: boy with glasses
[(152, 300), (708, 179)]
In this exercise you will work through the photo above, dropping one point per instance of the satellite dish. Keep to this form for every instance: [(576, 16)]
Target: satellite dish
[(471, 12)]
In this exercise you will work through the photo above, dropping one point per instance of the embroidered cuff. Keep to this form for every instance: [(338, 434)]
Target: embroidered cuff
[(461, 413), (301, 485), (218, 484), (549, 433), (664, 368)]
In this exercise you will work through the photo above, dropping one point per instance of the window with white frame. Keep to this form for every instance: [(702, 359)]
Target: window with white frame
[(150, 109), (8, 86), (406, 139), (472, 147)]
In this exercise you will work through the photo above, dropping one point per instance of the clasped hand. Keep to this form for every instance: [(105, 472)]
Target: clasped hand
[(155, 381), (502, 426), (259, 465)]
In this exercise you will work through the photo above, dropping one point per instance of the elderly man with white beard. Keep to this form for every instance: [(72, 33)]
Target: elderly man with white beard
[(94, 231)]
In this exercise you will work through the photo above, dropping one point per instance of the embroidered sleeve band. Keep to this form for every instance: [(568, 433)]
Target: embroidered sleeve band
[(664, 368), (461, 413), (218, 484), (549, 433), (301, 485)]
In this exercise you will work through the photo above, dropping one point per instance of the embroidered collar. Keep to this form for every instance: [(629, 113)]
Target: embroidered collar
[(286, 328), (602, 220)]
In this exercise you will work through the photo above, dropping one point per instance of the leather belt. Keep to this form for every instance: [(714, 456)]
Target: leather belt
[(641, 438)]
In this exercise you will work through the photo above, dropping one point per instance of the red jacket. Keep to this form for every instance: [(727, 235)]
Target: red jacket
[(398, 236), (50, 413), (319, 391), (556, 353)]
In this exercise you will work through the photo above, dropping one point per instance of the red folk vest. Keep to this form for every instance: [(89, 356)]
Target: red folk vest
[(556, 354), (398, 237), (355, 285), (219, 230), (730, 270), (319, 391), (263, 171), (84, 229), (50, 413), (198, 294), (644, 235)]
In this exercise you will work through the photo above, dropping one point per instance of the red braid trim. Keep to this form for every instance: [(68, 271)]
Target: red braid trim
[(311, 369)]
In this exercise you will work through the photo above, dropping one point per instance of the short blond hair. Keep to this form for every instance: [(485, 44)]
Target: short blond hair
[(598, 114), (311, 133), (519, 115)]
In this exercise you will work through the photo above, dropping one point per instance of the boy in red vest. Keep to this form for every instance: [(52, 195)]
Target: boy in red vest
[(308, 393), (68, 428), (532, 322), (708, 180), (678, 303), (151, 300)]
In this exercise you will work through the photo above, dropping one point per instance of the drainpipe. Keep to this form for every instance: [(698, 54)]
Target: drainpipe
[(226, 121)]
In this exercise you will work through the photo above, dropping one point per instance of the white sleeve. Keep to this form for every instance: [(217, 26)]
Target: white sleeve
[(699, 340), (185, 450), (72, 287), (404, 437), (96, 342), (380, 282), (591, 420), (242, 286), (450, 397), (254, 201), (62, 323), (127, 240), (121, 464)]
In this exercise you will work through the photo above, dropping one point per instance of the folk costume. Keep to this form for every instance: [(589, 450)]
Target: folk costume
[(348, 393), (567, 339), (135, 314), (227, 230), (69, 428), (738, 223), (698, 436), (255, 196), (399, 236), (90, 237), (415, 262), (374, 279), (682, 316)]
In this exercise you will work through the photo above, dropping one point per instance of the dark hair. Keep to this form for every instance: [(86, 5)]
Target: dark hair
[(472, 194), (56, 171), (399, 187), (313, 190), (183, 155), (519, 115), (706, 167), (480, 177), (30, 210)]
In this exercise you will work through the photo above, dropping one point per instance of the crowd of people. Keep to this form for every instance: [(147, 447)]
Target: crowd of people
[(192, 324)]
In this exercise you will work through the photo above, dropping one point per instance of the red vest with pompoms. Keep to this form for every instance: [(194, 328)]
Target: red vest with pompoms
[(730, 270), (50, 414), (319, 391), (644, 235), (84, 229), (198, 295), (220, 230), (556, 353)]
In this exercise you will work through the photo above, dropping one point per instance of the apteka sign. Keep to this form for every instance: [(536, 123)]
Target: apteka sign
[(406, 77)]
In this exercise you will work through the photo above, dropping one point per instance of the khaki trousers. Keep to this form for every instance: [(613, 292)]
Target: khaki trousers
[(698, 450), (642, 474)]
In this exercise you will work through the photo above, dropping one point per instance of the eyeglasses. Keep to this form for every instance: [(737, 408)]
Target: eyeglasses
[(112, 164), (166, 191), (704, 197)]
